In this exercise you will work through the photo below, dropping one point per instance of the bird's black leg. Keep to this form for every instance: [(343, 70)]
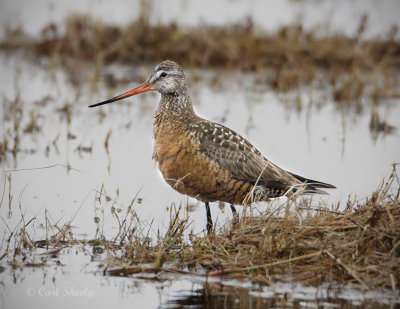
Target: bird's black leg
[(235, 215), (209, 218)]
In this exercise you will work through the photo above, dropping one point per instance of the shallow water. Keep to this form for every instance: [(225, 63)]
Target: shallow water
[(311, 146), (318, 141), (73, 279)]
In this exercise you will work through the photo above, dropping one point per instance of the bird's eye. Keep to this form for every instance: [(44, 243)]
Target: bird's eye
[(163, 74)]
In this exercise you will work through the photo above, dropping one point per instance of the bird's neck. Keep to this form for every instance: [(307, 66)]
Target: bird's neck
[(178, 104)]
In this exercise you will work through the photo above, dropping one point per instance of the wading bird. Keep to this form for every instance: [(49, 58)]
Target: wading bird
[(207, 160)]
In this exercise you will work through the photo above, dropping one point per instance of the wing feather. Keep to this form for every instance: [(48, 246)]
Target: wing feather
[(244, 162)]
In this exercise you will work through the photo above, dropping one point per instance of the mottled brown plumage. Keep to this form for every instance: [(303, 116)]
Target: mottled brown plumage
[(206, 160)]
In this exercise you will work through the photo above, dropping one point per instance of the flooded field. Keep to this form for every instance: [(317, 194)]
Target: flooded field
[(77, 184)]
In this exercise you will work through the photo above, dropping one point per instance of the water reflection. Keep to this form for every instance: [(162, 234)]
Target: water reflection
[(219, 296)]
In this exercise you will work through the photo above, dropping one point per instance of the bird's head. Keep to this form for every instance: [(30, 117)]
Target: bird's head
[(167, 78)]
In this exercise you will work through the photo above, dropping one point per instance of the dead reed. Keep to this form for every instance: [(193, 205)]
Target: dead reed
[(358, 246), (284, 60)]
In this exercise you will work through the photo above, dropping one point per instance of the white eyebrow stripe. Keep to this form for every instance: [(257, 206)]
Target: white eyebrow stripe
[(170, 72)]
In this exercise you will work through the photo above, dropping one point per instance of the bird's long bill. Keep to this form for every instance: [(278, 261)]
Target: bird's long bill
[(142, 88)]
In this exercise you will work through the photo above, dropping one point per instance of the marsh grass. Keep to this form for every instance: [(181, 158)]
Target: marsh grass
[(296, 242), (358, 246), (283, 60)]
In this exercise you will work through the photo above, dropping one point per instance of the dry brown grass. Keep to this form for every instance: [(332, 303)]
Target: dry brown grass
[(359, 246), (352, 247), (284, 60)]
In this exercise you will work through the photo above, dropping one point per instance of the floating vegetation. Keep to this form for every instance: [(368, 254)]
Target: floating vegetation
[(379, 126)]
